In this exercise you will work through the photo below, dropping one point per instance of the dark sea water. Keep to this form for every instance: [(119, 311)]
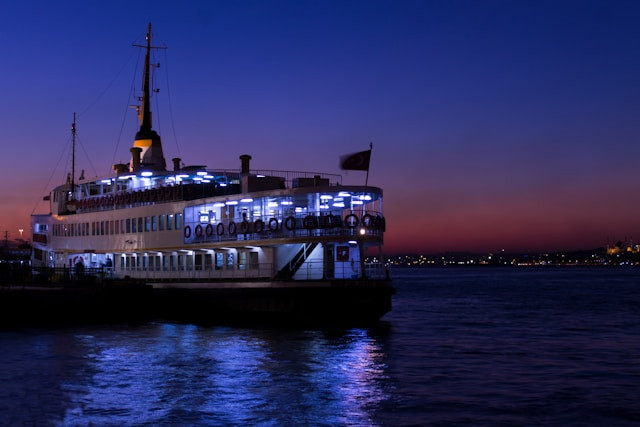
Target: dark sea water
[(469, 346)]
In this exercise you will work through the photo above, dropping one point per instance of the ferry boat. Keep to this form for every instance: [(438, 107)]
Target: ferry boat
[(217, 243)]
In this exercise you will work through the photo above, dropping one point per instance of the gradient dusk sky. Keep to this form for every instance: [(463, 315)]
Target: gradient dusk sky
[(495, 124)]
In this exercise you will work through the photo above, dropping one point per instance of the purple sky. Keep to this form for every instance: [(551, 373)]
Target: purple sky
[(495, 124)]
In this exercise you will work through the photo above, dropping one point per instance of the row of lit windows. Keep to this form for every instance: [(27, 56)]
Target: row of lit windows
[(217, 261), (142, 224)]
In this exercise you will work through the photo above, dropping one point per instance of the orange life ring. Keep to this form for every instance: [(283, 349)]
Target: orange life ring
[(310, 222), (220, 229), (232, 228), (208, 230), (367, 221), (258, 226), (198, 230), (351, 221), (244, 226), (273, 224), (187, 232), (290, 223)]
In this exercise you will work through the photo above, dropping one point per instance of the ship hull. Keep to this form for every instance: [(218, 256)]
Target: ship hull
[(281, 303)]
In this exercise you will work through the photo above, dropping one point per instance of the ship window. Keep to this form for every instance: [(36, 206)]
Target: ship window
[(102, 228), (140, 224), (242, 260), (207, 261), (93, 228), (128, 225), (219, 260), (170, 222), (154, 223), (161, 223), (178, 221), (134, 225), (117, 226), (112, 227), (230, 260), (147, 224), (198, 261), (253, 260)]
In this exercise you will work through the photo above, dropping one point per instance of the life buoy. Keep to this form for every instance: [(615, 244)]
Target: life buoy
[(273, 224), (367, 221), (220, 229), (258, 226), (290, 223), (208, 230), (198, 230), (187, 232), (310, 222), (244, 226), (232, 228), (351, 221)]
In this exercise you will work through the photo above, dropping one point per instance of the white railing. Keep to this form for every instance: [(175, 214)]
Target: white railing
[(309, 270)]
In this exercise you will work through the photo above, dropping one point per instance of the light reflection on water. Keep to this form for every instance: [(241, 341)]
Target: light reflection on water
[(185, 374)]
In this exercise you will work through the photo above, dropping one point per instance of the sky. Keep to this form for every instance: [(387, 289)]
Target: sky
[(496, 125)]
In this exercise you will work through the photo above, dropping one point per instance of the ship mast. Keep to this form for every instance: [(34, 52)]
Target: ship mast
[(146, 152), (73, 156), (145, 110)]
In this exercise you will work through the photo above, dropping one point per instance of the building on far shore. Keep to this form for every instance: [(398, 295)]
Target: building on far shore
[(621, 248)]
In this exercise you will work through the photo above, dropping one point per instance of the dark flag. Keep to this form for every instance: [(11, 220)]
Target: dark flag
[(356, 161)]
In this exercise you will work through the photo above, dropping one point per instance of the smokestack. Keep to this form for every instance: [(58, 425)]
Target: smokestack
[(135, 158), (176, 163), (118, 168), (244, 162)]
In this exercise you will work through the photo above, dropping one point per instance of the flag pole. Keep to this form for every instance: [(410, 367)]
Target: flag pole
[(366, 180)]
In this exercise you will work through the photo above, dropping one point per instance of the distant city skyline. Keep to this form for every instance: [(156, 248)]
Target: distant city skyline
[(495, 125)]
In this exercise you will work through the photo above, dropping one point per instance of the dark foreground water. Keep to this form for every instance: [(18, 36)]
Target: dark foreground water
[(473, 346)]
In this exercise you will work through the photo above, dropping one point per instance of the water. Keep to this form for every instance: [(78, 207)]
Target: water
[(471, 346)]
